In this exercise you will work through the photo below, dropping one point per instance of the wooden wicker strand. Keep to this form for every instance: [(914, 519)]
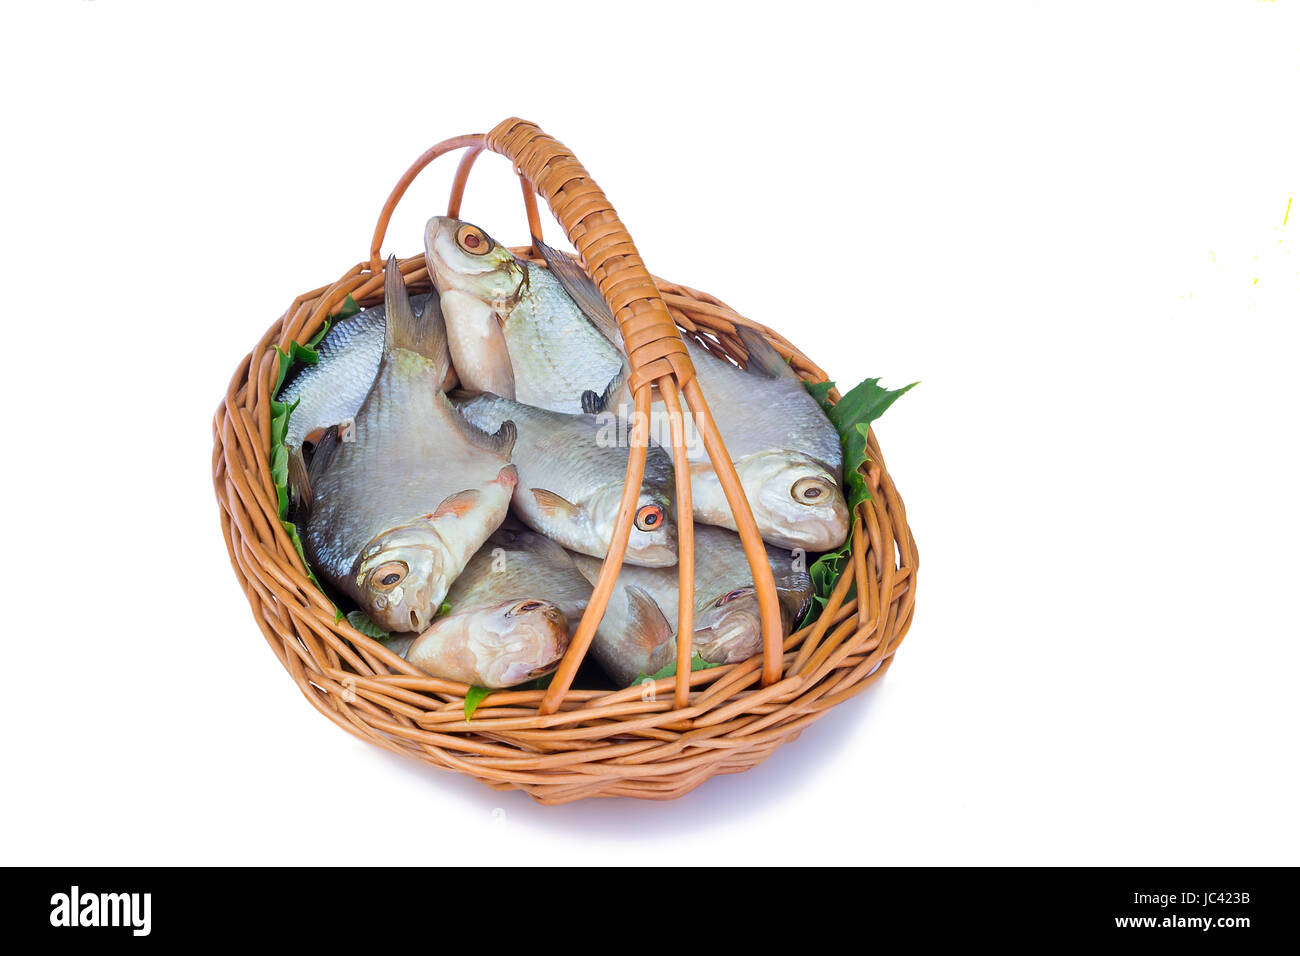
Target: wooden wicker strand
[(656, 742), (655, 351)]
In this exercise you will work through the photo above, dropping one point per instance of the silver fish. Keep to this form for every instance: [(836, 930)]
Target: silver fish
[(512, 328), (511, 610), (571, 474), (637, 633), (399, 508), (330, 392), (785, 450)]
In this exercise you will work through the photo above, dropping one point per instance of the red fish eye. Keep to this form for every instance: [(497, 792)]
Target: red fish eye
[(649, 517), (473, 240)]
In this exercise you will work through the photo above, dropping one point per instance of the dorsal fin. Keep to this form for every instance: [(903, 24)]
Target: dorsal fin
[(575, 281), (763, 357), (425, 335), (321, 457), (299, 482)]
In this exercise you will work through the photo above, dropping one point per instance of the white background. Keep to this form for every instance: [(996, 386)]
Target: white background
[(1066, 220)]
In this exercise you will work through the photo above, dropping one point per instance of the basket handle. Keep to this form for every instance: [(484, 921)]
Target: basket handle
[(657, 355)]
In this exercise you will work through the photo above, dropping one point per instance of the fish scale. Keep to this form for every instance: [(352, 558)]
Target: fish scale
[(544, 375)]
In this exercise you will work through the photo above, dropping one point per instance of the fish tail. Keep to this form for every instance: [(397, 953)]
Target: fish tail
[(425, 335), (762, 356)]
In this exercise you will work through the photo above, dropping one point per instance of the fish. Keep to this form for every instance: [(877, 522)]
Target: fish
[(399, 506), (786, 452), (330, 392), (512, 610), (637, 636), (571, 474), (512, 329)]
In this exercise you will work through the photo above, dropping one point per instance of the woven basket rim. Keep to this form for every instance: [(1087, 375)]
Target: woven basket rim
[(639, 741)]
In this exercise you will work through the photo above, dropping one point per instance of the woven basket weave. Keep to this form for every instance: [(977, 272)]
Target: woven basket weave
[(651, 741)]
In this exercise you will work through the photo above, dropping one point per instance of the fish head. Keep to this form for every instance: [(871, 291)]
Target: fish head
[(730, 629), (652, 541), (515, 641), (463, 258), (796, 500), (403, 575)]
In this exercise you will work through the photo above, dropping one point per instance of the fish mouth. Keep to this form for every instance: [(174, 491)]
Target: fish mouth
[(731, 631), (543, 636), (825, 529), (652, 555)]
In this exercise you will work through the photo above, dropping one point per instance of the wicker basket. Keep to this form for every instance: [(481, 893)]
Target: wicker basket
[(650, 741)]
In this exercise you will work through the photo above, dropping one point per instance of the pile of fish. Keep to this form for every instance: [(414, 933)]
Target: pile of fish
[(471, 524)]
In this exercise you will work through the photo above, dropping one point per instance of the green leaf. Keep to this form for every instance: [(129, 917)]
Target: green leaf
[(285, 363), (301, 353), (473, 697), (361, 621), (324, 330), (292, 531), (348, 309), (821, 391), (280, 475), (824, 572), (852, 416), (698, 663)]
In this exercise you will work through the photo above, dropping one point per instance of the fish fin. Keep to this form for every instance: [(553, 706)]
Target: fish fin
[(593, 404), (426, 335), (323, 455), (582, 290), (762, 356), (459, 504), (647, 627), (553, 505), (299, 481), (501, 442)]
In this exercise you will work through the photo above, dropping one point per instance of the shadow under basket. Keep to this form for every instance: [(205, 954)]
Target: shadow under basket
[(655, 740)]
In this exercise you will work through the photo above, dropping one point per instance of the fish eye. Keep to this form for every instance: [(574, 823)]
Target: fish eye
[(811, 491), (474, 240), (526, 607), (649, 517), (388, 575)]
